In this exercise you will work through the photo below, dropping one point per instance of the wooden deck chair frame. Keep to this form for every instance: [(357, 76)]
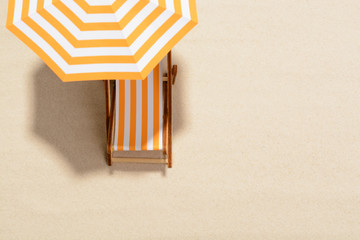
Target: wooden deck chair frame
[(166, 157)]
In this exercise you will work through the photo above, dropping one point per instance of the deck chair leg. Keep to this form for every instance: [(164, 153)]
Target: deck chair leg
[(107, 103), (110, 129), (169, 101), (165, 119), (107, 114)]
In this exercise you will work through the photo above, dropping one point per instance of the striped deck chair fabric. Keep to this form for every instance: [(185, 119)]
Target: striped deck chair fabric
[(138, 113)]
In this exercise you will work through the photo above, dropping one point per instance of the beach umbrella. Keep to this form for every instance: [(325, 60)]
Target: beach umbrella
[(84, 40)]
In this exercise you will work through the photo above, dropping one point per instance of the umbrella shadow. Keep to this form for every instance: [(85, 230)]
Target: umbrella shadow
[(71, 118)]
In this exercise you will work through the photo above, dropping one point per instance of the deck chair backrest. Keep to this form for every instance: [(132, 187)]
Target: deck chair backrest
[(139, 112)]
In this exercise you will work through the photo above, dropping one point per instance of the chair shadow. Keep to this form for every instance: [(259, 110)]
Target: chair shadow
[(178, 91), (71, 118)]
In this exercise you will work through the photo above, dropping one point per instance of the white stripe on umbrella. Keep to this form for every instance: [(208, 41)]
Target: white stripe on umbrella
[(100, 2)]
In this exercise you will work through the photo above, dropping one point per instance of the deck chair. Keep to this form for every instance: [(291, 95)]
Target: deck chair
[(139, 117)]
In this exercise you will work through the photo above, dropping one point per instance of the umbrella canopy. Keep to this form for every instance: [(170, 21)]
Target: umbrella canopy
[(101, 39)]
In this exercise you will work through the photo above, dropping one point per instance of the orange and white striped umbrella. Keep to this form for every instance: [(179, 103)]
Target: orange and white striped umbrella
[(101, 39)]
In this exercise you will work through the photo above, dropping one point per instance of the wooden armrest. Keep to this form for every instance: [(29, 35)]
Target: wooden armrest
[(174, 74)]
